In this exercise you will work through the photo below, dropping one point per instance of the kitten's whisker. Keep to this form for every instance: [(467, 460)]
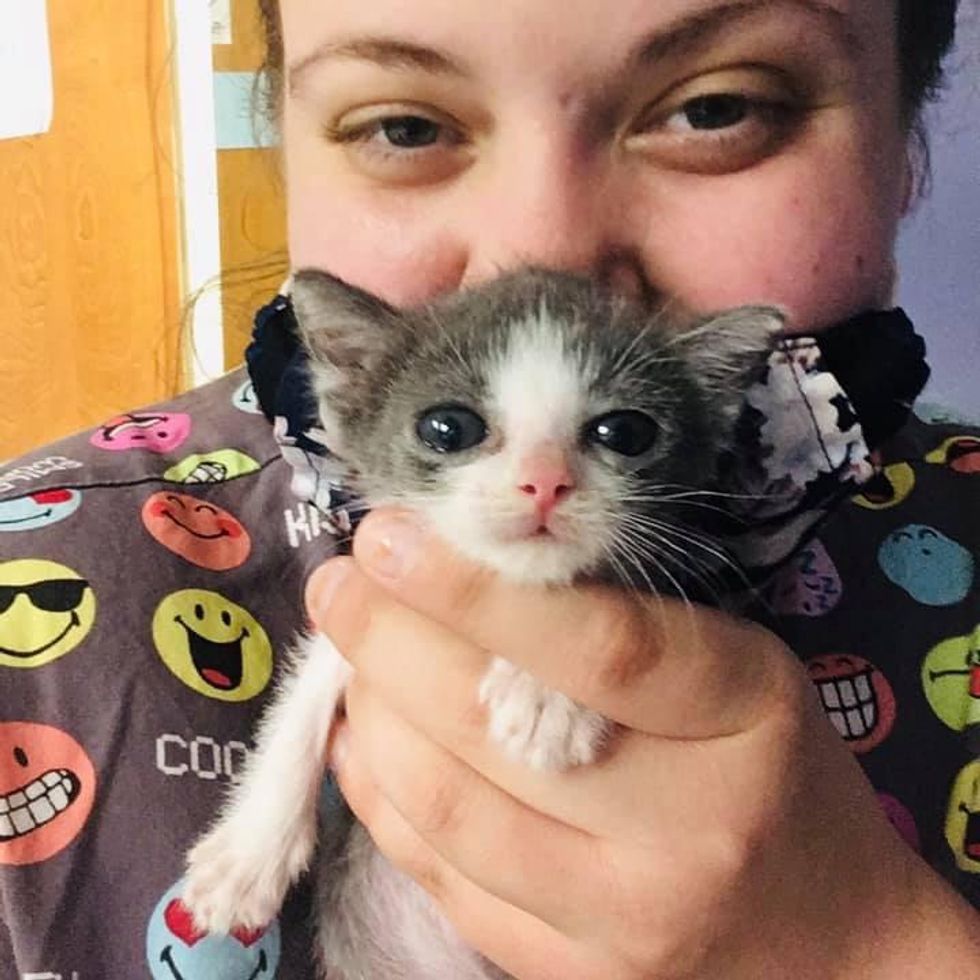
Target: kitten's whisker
[(649, 357), (617, 567), (648, 528), (651, 552), (662, 534), (685, 488), (626, 548), (617, 548), (738, 518), (648, 521), (688, 537), (724, 583), (648, 494), (447, 336)]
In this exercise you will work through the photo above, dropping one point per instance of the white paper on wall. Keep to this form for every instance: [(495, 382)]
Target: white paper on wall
[(26, 98), (221, 21)]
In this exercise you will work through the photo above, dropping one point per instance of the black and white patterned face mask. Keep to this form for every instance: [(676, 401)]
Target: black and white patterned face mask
[(808, 429), (803, 441)]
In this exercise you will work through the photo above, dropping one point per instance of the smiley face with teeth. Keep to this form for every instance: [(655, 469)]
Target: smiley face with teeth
[(857, 698), (213, 645), (47, 788)]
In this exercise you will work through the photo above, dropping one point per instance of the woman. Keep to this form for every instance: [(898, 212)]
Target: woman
[(704, 152)]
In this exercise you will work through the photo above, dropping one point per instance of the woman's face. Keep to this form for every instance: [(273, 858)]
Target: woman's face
[(712, 152)]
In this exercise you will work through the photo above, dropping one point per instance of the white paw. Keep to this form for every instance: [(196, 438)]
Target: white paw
[(541, 727), (238, 875)]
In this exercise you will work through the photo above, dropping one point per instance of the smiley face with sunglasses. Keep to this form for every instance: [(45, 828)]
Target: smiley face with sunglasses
[(46, 610)]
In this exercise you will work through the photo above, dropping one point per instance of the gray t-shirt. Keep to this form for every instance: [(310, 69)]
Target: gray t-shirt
[(151, 576)]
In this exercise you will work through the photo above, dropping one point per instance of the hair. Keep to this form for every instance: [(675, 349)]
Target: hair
[(926, 29)]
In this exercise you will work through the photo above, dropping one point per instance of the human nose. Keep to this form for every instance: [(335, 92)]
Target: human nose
[(558, 208)]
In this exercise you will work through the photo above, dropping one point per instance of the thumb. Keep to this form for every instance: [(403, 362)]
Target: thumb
[(657, 665)]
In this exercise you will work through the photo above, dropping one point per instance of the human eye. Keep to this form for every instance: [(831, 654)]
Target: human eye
[(712, 112), (719, 125), (400, 144)]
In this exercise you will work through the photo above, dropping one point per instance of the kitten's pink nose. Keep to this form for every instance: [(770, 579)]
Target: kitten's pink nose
[(548, 479)]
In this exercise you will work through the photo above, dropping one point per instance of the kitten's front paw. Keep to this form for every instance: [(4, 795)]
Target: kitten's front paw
[(238, 876), (541, 727)]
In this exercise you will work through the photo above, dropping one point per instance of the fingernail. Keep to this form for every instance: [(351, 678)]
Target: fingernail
[(324, 584), (393, 546)]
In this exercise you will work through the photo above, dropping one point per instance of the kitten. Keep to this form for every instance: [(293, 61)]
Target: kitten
[(548, 431)]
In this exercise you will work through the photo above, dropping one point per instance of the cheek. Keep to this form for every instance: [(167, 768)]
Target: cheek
[(810, 234)]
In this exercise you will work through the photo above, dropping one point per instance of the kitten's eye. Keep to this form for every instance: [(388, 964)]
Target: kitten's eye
[(450, 428), (629, 433)]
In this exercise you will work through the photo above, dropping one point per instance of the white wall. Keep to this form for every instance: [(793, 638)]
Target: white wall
[(939, 250)]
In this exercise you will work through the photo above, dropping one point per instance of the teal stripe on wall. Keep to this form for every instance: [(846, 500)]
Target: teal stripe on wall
[(237, 125)]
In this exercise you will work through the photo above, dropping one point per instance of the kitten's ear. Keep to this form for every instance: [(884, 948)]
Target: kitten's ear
[(729, 350), (347, 331)]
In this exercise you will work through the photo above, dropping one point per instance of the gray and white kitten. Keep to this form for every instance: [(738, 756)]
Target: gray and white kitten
[(546, 430)]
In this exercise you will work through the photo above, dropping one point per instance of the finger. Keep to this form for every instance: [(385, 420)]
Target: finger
[(656, 665), (495, 841), (413, 664), (414, 660), (515, 940)]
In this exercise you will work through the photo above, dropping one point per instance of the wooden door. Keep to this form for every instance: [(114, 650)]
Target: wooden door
[(90, 296), (251, 196)]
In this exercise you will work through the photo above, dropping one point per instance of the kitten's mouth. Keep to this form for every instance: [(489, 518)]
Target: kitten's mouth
[(528, 529)]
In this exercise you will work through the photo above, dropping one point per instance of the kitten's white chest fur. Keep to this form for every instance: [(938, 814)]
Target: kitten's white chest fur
[(239, 872)]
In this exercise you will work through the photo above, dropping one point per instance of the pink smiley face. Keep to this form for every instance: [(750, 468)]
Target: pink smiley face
[(155, 432)]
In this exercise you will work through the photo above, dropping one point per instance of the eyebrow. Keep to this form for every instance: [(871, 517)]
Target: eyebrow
[(688, 33), (386, 52), (697, 30)]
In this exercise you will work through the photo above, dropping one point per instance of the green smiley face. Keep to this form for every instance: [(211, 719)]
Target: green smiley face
[(951, 680)]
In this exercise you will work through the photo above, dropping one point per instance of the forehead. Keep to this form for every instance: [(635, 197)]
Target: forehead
[(475, 35)]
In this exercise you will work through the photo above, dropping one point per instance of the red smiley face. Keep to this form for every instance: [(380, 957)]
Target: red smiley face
[(47, 787), (857, 698), (963, 454), (960, 453), (200, 532)]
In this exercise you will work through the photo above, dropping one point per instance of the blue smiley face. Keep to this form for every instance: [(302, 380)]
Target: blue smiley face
[(176, 950), (38, 509), (934, 569)]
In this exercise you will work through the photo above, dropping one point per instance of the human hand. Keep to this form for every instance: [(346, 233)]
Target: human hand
[(727, 834)]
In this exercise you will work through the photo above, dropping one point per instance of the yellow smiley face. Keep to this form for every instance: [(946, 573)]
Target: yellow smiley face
[(887, 488), (46, 610), (963, 818), (213, 645)]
